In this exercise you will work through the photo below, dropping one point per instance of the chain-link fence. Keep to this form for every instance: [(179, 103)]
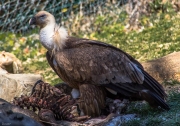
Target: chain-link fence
[(15, 14)]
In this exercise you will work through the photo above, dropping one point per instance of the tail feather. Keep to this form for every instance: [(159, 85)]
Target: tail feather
[(125, 90), (151, 84), (153, 99)]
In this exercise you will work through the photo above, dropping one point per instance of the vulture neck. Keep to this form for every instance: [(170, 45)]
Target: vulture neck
[(53, 37)]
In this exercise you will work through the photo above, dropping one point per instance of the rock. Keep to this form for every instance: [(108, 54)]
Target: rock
[(119, 120), (111, 120), (15, 85), (2, 71), (7, 106), (165, 68), (10, 118), (100, 121), (10, 63)]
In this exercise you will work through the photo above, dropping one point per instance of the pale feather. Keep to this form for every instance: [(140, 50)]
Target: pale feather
[(53, 37)]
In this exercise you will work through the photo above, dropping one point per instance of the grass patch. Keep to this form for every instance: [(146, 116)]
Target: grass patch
[(147, 116), (157, 40)]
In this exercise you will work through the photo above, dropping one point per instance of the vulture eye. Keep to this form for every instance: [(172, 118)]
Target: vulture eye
[(42, 16)]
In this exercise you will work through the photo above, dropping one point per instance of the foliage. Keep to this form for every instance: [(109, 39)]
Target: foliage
[(29, 50), (18, 44), (158, 35)]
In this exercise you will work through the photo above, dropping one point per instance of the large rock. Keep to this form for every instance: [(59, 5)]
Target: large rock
[(8, 110), (15, 85), (164, 68)]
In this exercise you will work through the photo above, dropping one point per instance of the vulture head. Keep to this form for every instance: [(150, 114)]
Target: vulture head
[(52, 36), (42, 19)]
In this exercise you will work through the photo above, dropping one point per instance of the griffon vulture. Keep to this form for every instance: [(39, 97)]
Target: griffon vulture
[(92, 67)]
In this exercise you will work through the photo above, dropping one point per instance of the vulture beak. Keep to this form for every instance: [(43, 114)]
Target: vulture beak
[(32, 21)]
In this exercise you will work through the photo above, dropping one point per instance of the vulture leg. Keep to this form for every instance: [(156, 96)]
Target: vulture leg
[(93, 99)]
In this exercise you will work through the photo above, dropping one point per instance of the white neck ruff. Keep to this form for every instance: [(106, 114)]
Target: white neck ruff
[(46, 37)]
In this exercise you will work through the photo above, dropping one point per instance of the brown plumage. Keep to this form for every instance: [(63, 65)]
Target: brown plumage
[(93, 66)]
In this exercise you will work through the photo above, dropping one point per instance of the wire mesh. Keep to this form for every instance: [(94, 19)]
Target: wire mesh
[(15, 14)]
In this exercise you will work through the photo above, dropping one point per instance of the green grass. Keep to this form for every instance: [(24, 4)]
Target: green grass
[(155, 41), (147, 116), (32, 54)]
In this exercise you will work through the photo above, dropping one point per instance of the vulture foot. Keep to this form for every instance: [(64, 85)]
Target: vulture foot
[(118, 106)]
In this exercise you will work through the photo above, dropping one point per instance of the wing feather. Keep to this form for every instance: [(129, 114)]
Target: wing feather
[(93, 63), (84, 61)]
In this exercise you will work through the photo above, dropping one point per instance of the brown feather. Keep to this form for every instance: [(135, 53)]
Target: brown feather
[(94, 99), (95, 63)]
